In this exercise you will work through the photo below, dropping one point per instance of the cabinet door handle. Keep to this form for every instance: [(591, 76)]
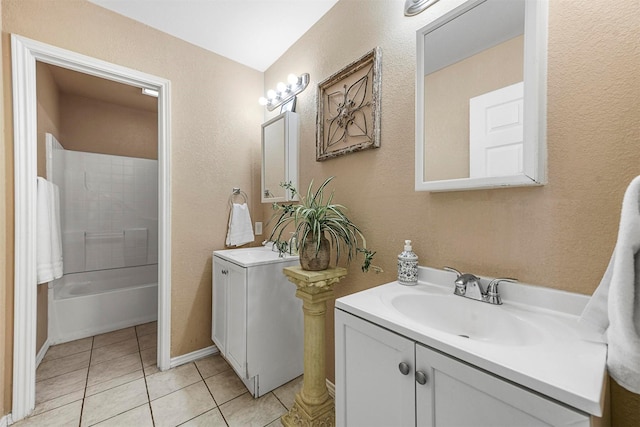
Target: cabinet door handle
[(404, 368), (421, 377)]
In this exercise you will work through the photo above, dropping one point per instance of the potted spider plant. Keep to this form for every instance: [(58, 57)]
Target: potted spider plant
[(318, 224)]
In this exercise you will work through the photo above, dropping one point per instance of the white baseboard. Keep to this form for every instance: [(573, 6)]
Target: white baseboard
[(331, 388), (6, 421), (190, 357), (41, 354)]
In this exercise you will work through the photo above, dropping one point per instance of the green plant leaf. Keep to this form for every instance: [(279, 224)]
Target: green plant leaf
[(313, 217)]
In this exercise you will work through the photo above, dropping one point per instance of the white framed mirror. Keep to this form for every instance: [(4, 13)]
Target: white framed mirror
[(279, 157), (481, 96)]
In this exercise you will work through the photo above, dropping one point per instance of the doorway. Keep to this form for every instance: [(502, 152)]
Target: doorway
[(25, 53)]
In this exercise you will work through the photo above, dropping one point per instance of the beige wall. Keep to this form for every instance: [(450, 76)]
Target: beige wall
[(215, 130), (446, 110), (560, 235), (48, 97), (102, 127)]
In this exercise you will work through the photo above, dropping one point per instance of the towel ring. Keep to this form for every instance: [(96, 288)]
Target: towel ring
[(237, 192)]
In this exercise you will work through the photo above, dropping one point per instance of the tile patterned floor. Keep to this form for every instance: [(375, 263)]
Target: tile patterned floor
[(112, 380)]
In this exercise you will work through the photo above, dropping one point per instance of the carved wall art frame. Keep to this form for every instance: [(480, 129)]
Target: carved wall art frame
[(348, 115)]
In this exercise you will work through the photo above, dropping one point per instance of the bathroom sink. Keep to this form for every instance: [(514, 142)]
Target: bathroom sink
[(253, 256), (534, 339), (468, 319)]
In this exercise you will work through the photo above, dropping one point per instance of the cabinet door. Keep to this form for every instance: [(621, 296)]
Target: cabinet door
[(236, 346), (370, 388), (218, 304), (457, 394)]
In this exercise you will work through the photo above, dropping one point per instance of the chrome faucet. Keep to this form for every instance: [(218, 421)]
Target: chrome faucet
[(468, 285)]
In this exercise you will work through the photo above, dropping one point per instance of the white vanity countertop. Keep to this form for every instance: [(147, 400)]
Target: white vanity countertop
[(249, 257), (561, 365)]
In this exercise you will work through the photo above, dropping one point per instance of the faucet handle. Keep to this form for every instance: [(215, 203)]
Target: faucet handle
[(462, 281), (493, 296), (453, 270)]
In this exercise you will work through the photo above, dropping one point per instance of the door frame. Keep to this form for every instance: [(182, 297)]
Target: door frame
[(24, 54)]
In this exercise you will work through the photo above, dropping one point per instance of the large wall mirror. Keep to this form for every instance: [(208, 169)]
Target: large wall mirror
[(481, 95), (279, 157)]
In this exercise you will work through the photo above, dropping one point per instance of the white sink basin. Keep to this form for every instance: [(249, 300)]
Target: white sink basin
[(253, 256), (468, 319)]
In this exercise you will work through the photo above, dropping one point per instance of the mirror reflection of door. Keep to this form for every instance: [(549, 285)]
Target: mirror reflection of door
[(496, 132), (279, 158), (478, 52), (273, 140)]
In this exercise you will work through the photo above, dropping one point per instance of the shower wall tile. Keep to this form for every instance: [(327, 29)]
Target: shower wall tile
[(73, 251), (135, 246), (104, 251), (105, 197)]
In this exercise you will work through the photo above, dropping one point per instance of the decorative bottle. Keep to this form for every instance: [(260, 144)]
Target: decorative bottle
[(408, 266), (293, 244)]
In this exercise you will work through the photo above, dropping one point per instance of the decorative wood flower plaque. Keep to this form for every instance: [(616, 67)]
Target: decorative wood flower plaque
[(348, 117)]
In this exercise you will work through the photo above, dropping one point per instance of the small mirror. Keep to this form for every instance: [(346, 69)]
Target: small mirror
[(481, 96), (279, 157)]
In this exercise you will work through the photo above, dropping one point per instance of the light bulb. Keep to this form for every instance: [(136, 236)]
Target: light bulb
[(262, 100), (271, 94), (292, 79), (281, 87)]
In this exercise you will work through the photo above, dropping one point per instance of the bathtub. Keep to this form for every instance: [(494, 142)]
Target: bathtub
[(90, 303)]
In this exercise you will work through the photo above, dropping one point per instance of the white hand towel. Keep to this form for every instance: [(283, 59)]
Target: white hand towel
[(240, 229), (48, 238), (56, 232), (614, 307)]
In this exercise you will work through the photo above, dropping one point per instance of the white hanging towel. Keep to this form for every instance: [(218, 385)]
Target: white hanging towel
[(240, 227), (614, 308), (48, 237)]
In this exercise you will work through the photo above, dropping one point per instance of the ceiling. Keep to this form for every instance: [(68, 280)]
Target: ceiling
[(252, 32)]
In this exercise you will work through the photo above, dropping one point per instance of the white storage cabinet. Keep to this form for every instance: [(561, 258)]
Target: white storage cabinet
[(257, 321), (385, 379)]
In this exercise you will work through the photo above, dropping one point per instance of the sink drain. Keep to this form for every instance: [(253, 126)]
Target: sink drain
[(464, 336)]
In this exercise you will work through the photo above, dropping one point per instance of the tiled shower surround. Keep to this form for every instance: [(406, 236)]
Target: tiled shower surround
[(108, 209)]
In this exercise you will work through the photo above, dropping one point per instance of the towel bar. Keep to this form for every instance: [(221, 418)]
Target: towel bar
[(237, 192)]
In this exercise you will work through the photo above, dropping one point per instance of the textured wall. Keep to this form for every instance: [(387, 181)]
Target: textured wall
[(101, 127), (560, 235), (215, 131)]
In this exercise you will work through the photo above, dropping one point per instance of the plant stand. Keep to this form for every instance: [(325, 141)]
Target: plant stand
[(313, 406)]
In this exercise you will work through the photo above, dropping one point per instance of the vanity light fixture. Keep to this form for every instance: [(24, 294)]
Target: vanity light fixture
[(285, 92), (414, 7)]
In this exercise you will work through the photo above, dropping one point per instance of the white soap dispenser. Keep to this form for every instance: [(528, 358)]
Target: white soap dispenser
[(408, 266)]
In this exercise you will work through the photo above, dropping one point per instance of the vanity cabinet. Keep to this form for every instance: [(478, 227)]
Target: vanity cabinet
[(384, 379), (256, 319), (229, 312)]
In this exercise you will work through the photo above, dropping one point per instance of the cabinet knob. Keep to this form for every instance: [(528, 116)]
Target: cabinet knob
[(421, 377), (404, 368)]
